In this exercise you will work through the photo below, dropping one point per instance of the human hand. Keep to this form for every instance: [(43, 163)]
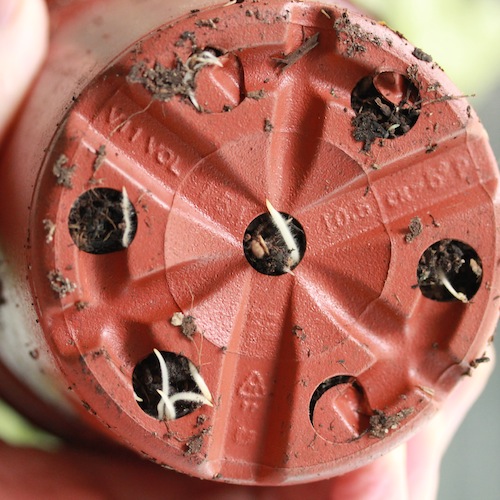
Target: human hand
[(23, 42), (409, 472)]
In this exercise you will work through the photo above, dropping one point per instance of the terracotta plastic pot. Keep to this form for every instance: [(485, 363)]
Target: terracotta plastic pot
[(255, 242)]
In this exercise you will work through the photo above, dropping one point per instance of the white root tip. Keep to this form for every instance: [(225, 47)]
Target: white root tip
[(165, 408), (127, 208), (458, 295), (283, 226), (198, 379)]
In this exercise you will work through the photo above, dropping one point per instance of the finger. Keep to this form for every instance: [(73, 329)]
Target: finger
[(23, 42), (384, 479), (426, 448)]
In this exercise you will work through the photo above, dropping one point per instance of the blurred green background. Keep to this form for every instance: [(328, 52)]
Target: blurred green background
[(463, 36)]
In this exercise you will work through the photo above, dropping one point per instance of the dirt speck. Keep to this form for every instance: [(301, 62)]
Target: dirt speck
[(415, 229), (353, 36), (63, 172), (100, 157), (81, 305), (61, 285), (186, 323), (201, 419), (431, 148), (478, 361), (195, 443), (381, 423), (290, 59), (34, 354), (298, 332), (180, 80), (50, 229), (268, 126), (420, 54), (257, 95), (208, 23)]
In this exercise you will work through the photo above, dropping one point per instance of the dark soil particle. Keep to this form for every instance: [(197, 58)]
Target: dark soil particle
[(256, 94), (353, 36), (298, 332), (195, 443), (186, 323), (208, 23), (163, 83), (376, 116), (381, 423), (100, 157), (290, 59), (415, 229), (420, 54), (476, 362)]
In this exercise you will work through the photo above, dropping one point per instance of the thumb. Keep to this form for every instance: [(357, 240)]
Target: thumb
[(23, 42)]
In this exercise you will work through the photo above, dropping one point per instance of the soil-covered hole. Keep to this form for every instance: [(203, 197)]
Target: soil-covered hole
[(148, 379), (102, 220), (449, 270), (265, 246), (387, 106)]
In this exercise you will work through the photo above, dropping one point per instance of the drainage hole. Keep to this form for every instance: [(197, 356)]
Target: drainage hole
[(339, 410), (387, 106), (102, 220), (168, 386), (274, 243), (449, 270)]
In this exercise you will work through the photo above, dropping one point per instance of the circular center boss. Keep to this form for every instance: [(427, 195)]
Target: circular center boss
[(267, 235)]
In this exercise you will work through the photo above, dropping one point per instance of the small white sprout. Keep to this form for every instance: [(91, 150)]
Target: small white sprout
[(393, 127), (127, 209), (283, 226), (166, 408), (177, 319), (137, 398), (231, 2), (190, 396), (193, 64), (201, 59), (476, 268), (198, 379), (458, 295)]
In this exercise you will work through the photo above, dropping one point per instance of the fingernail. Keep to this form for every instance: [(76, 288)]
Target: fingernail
[(7, 11)]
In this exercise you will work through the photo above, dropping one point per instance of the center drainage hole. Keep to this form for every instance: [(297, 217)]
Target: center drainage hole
[(449, 270), (168, 386), (102, 220), (387, 106), (274, 243)]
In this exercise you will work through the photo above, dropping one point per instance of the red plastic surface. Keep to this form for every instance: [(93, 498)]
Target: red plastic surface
[(311, 373)]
